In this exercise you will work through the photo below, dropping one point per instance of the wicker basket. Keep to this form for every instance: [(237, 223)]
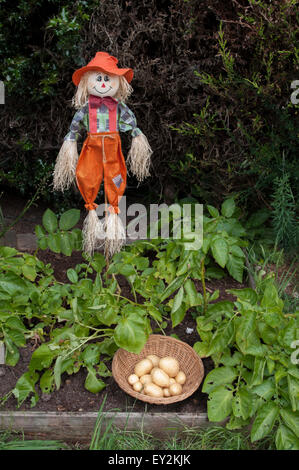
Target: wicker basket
[(190, 363)]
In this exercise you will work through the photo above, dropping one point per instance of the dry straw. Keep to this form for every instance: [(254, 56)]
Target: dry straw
[(190, 363)]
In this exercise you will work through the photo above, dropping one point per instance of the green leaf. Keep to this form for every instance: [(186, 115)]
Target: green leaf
[(92, 383), (29, 272), (42, 243), (7, 251), (266, 389), (26, 386), (12, 284), (192, 294), (103, 370), (271, 298), (127, 270), (46, 382), (236, 423), (219, 376), (58, 371), (16, 336), (15, 323), (213, 211), (178, 299), (285, 439), (219, 248), (184, 265), (201, 348), (222, 338), (42, 358), (291, 419), (228, 360), (267, 334), (141, 263), (72, 275), (235, 267), (108, 316), (223, 307), (178, 316), (131, 332), (66, 244), (228, 207), (258, 371), (246, 337), (264, 421), (172, 287), (242, 403), (154, 312), (219, 403), (39, 231), (91, 355), (293, 388), (98, 262), (235, 250), (50, 221), (12, 354), (69, 219), (245, 295), (54, 242)]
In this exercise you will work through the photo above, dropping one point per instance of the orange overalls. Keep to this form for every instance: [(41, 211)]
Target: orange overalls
[(101, 156)]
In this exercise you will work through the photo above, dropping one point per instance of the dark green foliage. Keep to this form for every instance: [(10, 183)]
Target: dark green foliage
[(233, 117), (285, 221), (255, 379)]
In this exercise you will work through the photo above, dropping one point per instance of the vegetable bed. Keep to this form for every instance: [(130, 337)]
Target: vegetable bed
[(72, 396)]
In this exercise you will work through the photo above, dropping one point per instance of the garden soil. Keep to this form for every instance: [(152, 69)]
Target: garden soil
[(72, 396)]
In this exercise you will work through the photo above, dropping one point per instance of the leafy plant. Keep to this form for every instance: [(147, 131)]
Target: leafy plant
[(285, 221), (82, 312), (56, 235), (250, 341)]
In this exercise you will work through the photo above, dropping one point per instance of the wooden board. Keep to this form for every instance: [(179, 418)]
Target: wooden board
[(73, 426)]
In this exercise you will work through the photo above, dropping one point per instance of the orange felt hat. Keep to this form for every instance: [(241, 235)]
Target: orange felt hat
[(103, 62)]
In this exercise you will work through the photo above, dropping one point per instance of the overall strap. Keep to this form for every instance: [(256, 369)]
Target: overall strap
[(94, 104)]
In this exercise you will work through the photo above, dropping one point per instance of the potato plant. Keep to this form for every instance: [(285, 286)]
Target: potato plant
[(81, 323), (255, 379)]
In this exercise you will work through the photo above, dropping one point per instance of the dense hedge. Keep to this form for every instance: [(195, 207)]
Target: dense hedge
[(241, 135)]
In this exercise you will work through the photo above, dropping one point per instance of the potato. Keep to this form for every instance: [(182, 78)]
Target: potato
[(153, 390), (175, 389), (170, 365), (172, 381), (132, 379), (145, 379), (159, 377), (180, 378), (143, 367), (166, 392), (138, 386), (155, 359)]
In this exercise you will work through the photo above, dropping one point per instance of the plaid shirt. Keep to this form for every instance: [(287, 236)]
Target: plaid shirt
[(126, 121)]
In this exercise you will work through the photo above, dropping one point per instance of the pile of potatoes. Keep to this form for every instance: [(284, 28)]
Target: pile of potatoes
[(158, 377)]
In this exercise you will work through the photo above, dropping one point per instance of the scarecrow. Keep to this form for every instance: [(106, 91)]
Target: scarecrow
[(102, 89)]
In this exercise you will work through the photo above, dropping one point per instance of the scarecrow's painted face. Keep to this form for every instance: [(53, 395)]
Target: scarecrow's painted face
[(102, 84)]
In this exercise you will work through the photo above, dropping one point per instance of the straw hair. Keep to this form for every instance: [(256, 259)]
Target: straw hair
[(93, 233), (139, 157), (115, 234), (81, 95), (65, 167), (190, 363)]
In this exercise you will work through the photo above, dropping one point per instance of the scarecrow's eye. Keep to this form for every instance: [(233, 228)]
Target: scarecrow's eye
[(106, 78), (99, 78)]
